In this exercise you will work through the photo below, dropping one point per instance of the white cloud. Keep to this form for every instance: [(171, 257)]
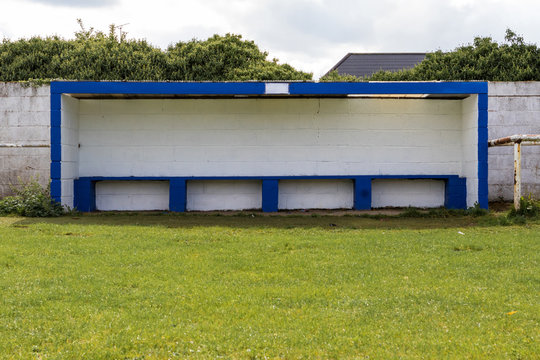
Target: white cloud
[(77, 3)]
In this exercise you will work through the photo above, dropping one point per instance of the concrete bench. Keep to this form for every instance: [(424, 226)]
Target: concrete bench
[(455, 189)]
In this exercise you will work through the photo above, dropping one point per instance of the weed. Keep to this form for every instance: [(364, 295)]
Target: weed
[(31, 200), (476, 210), (528, 208), (412, 212), (468, 248)]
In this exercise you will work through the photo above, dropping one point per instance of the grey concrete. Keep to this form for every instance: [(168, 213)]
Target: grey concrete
[(24, 121), (514, 108)]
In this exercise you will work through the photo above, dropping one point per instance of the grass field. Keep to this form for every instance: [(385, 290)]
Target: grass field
[(153, 286)]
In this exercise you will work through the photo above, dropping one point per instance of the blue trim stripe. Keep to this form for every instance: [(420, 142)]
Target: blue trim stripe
[(56, 172), (287, 177), (160, 88), (56, 146), (388, 88), (258, 88), (56, 189), (56, 99)]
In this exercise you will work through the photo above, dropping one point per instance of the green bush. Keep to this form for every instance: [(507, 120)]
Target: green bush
[(97, 55), (31, 200), (484, 59)]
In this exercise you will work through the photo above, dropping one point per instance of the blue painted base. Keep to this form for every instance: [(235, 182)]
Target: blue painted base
[(455, 189)]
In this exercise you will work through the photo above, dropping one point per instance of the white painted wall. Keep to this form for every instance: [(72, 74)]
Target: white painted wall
[(70, 147), (514, 108), (265, 137), (315, 194), (132, 195), (469, 147), (223, 195), (407, 192), (24, 120), (242, 137)]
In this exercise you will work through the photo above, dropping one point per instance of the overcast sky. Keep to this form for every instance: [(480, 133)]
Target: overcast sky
[(311, 35)]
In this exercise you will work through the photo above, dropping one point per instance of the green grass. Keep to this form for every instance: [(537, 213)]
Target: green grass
[(152, 286)]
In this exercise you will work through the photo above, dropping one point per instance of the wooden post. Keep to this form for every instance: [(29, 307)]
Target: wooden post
[(517, 174)]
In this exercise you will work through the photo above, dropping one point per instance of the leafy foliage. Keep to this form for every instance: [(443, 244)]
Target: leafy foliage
[(31, 200), (335, 76), (528, 208), (485, 59), (476, 210), (94, 55)]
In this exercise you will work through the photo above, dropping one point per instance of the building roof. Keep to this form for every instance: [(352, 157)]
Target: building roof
[(366, 64)]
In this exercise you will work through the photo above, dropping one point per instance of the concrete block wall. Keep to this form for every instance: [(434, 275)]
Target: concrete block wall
[(129, 195), (514, 108), (25, 122), (25, 119), (70, 147), (404, 193), (269, 137), (223, 195), (315, 194), (469, 147)]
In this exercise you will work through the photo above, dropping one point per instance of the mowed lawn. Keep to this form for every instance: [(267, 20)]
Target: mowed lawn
[(164, 286)]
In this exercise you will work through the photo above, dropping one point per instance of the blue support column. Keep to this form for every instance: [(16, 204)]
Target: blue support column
[(483, 150), (84, 195), (270, 192), (177, 195), (362, 193), (455, 193), (56, 146)]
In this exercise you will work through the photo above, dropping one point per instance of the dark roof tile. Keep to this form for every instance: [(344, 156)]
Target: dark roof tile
[(366, 64)]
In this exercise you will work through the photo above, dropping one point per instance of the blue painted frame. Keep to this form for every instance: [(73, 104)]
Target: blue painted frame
[(258, 89), (85, 188)]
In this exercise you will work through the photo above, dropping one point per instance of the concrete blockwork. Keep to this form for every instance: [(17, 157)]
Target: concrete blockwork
[(203, 195), (129, 195), (315, 194), (273, 137), (514, 108), (404, 193), (24, 122), (25, 117)]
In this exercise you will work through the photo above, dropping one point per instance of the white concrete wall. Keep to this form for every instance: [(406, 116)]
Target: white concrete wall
[(469, 147), (269, 137), (315, 194), (265, 137), (70, 147), (132, 195), (24, 120), (407, 192), (514, 108), (223, 195)]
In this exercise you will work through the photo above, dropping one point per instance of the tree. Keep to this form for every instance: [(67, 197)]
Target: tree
[(94, 55), (226, 58), (485, 59)]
